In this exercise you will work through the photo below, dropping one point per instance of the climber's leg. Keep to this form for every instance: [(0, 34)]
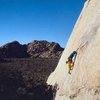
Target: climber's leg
[(69, 67), (72, 65)]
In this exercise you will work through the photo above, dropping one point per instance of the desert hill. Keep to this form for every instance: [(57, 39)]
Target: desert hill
[(35, 49)]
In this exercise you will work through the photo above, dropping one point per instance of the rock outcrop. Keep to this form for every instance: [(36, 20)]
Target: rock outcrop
[(44, 49), (84, 81), (35, 49), (13, 50)]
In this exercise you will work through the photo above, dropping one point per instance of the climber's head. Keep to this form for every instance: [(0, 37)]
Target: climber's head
[(74, 52)]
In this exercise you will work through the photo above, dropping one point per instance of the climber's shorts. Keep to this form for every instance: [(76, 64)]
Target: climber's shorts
[(70, 65)]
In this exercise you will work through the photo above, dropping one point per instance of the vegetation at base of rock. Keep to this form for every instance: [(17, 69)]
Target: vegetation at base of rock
[(25, 78)]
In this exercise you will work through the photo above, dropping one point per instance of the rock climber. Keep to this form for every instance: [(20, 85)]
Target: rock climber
[(71, 60)]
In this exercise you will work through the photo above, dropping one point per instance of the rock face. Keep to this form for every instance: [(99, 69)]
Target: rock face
[(41, 49), (84, 81), (44, 49)]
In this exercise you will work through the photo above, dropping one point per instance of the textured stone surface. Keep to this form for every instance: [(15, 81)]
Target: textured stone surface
[(44, 49), (84, 81), (35, 49)]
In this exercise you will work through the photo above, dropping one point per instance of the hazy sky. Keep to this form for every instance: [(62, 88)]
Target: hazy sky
[(28, 20)]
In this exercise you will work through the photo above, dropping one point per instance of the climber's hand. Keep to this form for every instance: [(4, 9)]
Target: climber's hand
[(66, 62)]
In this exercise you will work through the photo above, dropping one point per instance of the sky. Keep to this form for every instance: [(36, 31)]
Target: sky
[(28, 20)]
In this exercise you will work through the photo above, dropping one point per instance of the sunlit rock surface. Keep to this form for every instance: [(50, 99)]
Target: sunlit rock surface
[(84, 81)]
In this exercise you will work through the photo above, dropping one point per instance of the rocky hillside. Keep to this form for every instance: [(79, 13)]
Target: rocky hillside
[(44, 49), (35, 49), (84, 81), (24, 70), (25, 78), (13, 50)]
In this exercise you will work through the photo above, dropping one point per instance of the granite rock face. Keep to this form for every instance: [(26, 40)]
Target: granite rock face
[(84, 81)]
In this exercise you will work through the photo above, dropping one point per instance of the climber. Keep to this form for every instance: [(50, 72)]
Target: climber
[(71, 61)]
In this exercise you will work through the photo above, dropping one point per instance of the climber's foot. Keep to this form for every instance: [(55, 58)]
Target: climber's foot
[(69, 72)]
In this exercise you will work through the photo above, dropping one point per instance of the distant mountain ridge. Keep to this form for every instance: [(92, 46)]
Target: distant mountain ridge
[(34, 49)]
